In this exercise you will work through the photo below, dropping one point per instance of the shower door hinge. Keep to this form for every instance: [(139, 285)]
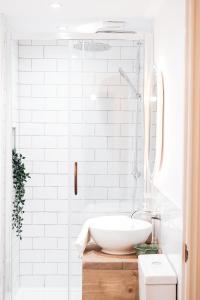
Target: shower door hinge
[(186, 252)]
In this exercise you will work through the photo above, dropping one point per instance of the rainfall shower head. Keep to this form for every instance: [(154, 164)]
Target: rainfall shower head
[(91, 46)]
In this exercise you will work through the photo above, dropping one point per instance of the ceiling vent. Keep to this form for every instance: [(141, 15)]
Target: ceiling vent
[(114, 26)]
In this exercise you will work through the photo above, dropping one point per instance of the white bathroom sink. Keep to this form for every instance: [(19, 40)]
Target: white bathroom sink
[(119, 234)]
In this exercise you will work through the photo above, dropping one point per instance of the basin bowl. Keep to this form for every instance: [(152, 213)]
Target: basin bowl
[(119, 234)]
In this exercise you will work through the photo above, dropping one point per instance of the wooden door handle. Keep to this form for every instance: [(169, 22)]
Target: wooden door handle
[(75, 178)]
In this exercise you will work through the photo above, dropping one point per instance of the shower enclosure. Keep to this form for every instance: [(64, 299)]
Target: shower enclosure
[(80, 125)]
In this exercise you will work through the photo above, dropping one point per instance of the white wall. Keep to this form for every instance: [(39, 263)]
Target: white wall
[(170, 59), (55, 87)]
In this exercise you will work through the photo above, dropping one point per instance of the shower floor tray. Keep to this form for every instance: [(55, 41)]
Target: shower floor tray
[(47, 294)]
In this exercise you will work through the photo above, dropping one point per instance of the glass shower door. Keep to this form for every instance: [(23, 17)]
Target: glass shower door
[(106, 133)]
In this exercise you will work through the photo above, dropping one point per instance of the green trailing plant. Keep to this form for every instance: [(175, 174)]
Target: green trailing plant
[(20, 177)]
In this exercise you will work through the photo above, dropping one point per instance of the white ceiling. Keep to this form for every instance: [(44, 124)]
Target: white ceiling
[(37, 16)]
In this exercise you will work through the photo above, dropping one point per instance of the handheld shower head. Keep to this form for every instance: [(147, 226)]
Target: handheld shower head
[(125, 76)]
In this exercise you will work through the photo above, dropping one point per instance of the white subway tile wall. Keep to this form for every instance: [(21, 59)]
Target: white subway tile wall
[(74, 106)]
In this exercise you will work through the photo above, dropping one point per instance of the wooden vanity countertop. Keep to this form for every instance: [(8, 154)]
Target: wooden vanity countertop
[(94, 259)]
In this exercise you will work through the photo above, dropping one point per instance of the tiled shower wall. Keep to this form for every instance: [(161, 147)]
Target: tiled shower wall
[(74, 105)]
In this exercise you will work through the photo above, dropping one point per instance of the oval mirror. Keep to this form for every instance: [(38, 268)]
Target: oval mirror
[(155, 122)]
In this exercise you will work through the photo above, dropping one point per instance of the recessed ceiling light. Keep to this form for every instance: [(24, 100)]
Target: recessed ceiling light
[(56, 5)]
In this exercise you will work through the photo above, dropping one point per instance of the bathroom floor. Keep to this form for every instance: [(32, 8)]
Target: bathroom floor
[(47, 294)]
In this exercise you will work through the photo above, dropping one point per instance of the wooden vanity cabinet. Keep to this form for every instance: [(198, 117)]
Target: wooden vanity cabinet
[(109, 277)]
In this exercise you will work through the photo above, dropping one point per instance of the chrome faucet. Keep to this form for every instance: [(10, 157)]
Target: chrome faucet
[(140, 210), (154, 216)]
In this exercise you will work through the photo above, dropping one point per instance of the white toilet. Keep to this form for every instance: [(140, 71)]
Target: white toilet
[(157, 279)]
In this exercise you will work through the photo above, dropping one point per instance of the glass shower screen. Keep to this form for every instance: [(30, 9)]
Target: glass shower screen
[(106, 136)]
